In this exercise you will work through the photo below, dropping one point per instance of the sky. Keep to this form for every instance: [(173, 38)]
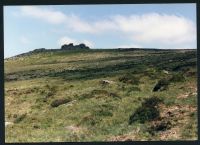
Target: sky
[(164, 26)]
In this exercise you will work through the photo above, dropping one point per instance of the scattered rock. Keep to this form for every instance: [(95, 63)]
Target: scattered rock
[(106, 82), (8, 123), (59, 102), (71, 103), (39, 50), (166, 72), (74, 129), (183, 96)]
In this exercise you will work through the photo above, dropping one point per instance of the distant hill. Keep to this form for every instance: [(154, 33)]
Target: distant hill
[(101, 95), (83, 47)]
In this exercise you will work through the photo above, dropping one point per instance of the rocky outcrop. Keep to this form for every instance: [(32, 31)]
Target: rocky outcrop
[(39, 50), (71, 46)]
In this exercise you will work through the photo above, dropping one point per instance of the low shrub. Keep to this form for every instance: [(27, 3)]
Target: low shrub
[(147, 111), (161, 85), (20, 118), (152, 102), (129, 79), (178, 77), (159, 126), (144, 114), (59, 102)]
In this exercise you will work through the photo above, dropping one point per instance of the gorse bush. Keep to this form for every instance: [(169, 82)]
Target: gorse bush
[(161, 85), (147, 111), (144, 114), (152, 102)]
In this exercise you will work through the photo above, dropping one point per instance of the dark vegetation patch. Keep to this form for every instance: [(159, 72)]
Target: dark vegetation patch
[(191, 73), (175, 61), (177, 77), (84, 74), (19, 118), (183, 65), (99, 94), (167, 61), (129, 79), (133, 88), (161, 125), (161, 85), (22, 91), (148, 111), (59, 102)]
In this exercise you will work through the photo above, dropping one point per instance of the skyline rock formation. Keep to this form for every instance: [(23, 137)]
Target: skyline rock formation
[(71, 46)]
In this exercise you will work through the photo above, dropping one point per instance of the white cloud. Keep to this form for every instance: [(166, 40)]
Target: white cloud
[(24, 40), (149, 28), (79, 25), (67, 40), (88, 43), (162, 28), (51, 16)]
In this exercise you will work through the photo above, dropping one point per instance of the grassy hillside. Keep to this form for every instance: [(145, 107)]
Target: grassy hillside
[(101, 95)]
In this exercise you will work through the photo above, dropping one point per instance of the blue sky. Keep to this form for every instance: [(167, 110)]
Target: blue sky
[(99, 26)]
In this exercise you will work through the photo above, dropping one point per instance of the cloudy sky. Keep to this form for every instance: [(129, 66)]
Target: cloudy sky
[(99, 26)]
